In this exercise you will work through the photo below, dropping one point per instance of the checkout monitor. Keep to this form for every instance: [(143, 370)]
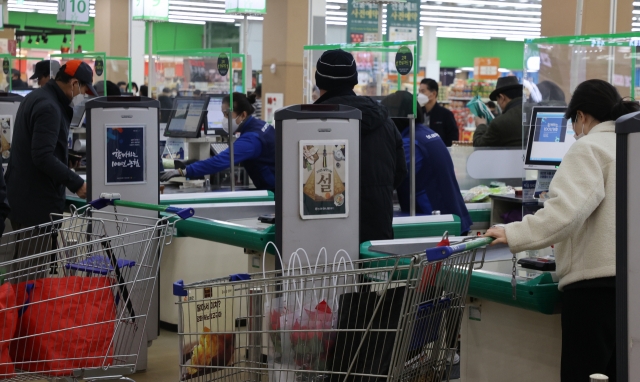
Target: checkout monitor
[(22, 92), (187, 117), (550, 137), (215, 116)]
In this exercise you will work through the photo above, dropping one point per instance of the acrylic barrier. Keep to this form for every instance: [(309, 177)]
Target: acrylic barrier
[(208, 71)]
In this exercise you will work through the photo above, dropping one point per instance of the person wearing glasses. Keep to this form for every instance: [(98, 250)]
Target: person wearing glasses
[(580, 220), (255, 147)]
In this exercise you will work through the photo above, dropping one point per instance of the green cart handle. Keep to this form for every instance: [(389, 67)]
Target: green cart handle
[(441, 253), (114, 200)]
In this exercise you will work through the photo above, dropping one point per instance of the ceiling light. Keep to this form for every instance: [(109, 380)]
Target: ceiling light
[(427, 20), (480, 10), (485, 17), (38, 40), (30, 40), (483, 3), (64, 40), (470, 36)]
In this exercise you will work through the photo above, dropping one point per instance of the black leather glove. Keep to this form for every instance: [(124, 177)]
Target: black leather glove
[(169, 174)]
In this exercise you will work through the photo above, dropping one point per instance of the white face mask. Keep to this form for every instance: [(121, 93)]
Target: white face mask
[(423, 99), (582, 134), (225, 124), (78, 99)]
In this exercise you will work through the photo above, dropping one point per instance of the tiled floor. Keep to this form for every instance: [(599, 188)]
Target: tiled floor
[(162, 364)]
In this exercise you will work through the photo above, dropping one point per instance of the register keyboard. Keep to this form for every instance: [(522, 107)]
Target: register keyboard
[(217, 148)]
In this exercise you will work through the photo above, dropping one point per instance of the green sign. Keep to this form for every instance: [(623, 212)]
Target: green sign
[(223, 64), (5, 66), (362, 22), (99, 67), (246, 6), (150, 10), (404, 60), (74, 12), (403, 21)]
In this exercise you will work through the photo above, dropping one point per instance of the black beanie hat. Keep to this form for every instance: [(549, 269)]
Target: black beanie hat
[(336, 69)]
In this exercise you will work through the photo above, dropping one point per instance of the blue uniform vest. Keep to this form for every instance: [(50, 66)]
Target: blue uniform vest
[(436, 176), (262, 170)]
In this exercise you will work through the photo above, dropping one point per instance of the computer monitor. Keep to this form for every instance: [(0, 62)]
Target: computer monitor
[(78, 113), (22, 92), (215, 116), (187, 117), (550, 137)]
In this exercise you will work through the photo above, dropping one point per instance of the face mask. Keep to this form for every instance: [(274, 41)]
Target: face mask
[(582, 134), (422, 99), (78, 99), (225, 124)]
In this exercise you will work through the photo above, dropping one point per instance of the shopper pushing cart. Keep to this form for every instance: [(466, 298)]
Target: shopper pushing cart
[(384, 319), (76, 307)]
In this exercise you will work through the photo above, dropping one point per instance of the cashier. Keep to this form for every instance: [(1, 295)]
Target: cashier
[(436, 185), (580, 220), (255, 147)]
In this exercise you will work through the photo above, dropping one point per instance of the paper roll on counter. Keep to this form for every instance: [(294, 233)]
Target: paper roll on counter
[(80, 145)]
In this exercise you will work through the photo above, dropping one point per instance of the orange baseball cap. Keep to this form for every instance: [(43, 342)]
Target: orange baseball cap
[(80, 70)]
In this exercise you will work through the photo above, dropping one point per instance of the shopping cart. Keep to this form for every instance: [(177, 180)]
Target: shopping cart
[(388, 319), (77, 291)]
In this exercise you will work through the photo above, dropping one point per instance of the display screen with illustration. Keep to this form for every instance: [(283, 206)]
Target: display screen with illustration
[(125, 154), (324, 179), (6, 123)]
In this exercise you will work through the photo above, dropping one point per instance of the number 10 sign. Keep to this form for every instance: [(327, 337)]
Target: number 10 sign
[(73, 12)]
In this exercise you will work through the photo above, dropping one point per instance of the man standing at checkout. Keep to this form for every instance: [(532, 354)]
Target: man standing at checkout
[(437, 118), (382, 165), (506, 129), (43, 70), (38, 170)]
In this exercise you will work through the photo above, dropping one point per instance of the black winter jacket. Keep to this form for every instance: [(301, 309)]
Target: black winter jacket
[(382, 164), (38, 169)]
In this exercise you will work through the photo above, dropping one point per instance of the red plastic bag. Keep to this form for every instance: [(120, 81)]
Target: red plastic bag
[(65, 323), (9, 320)]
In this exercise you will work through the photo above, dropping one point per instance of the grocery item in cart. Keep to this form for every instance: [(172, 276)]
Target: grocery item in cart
[(211, 346)]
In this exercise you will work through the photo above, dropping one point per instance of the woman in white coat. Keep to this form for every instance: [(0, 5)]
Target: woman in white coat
[(579, 218)]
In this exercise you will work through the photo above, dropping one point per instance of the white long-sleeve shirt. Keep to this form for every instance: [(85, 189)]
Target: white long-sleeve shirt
[(580, 216)]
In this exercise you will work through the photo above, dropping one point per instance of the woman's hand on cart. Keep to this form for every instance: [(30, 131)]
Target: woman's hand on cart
[(498, 233)]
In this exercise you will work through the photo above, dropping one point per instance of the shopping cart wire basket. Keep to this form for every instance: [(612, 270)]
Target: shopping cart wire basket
[(76, 291), (388, 319)]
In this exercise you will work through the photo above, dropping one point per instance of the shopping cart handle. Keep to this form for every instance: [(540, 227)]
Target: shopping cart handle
[(184, 213), (441, 253), (178, 289), (240, 277), (106, 199)]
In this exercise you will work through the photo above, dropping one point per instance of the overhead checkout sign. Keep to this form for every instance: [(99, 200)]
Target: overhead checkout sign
[(151, 10), (74, 12), (246, 6)]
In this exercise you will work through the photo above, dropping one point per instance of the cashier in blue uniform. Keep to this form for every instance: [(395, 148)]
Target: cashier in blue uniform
[(255, 147), (436, 185)]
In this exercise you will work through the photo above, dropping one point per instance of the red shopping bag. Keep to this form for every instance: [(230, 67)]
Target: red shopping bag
[(9, 320), (65, 323), (431, 271)]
